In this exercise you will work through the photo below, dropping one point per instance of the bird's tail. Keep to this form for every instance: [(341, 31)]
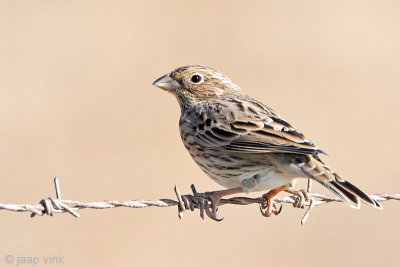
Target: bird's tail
[(350, 194)]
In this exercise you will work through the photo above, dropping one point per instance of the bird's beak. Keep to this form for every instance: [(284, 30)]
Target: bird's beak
[(166, 83)]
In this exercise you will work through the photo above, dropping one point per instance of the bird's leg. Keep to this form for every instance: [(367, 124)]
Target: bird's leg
[(215, 197), (269, 197)]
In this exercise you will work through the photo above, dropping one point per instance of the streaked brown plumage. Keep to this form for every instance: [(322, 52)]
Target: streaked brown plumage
[(241, 143)]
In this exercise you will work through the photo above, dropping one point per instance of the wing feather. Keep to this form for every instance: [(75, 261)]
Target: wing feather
[(253, 128)]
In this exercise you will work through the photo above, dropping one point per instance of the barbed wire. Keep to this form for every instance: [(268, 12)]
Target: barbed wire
[(299, 199)]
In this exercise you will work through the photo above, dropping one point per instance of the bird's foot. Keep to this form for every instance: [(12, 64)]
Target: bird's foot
[(209, 208), (268, 207), (214, 198)]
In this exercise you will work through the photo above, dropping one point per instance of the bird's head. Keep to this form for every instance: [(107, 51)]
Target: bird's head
[(193, 84)]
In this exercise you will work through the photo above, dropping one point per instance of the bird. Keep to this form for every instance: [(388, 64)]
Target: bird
[(244, 145)]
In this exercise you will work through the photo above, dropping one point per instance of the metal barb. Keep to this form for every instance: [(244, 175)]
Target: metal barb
[(181, 205), (57, 186), (310, 208)]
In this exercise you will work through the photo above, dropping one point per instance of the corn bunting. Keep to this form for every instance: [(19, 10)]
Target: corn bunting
[(244, 145)]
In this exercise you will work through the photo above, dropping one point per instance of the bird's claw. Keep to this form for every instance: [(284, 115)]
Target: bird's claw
[(202, 199), (267, 208), (210, 213)]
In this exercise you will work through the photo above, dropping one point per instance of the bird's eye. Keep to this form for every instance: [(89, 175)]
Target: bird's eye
[(196, 78)]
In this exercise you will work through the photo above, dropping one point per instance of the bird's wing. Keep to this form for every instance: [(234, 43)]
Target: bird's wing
[(250, 127)]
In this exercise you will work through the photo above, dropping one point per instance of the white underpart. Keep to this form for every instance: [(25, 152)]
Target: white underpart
[(265, 181)]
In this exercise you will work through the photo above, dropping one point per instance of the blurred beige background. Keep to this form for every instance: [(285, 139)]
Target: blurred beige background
[(77, 102)]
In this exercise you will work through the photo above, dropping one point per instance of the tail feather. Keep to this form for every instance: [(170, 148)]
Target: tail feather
[(349, 187), (346, 191), (351, 199)]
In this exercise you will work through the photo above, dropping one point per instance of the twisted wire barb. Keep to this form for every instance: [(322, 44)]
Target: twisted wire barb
[(51, 206)]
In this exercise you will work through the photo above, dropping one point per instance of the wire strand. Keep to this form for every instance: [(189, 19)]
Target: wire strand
[(299, 199)]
